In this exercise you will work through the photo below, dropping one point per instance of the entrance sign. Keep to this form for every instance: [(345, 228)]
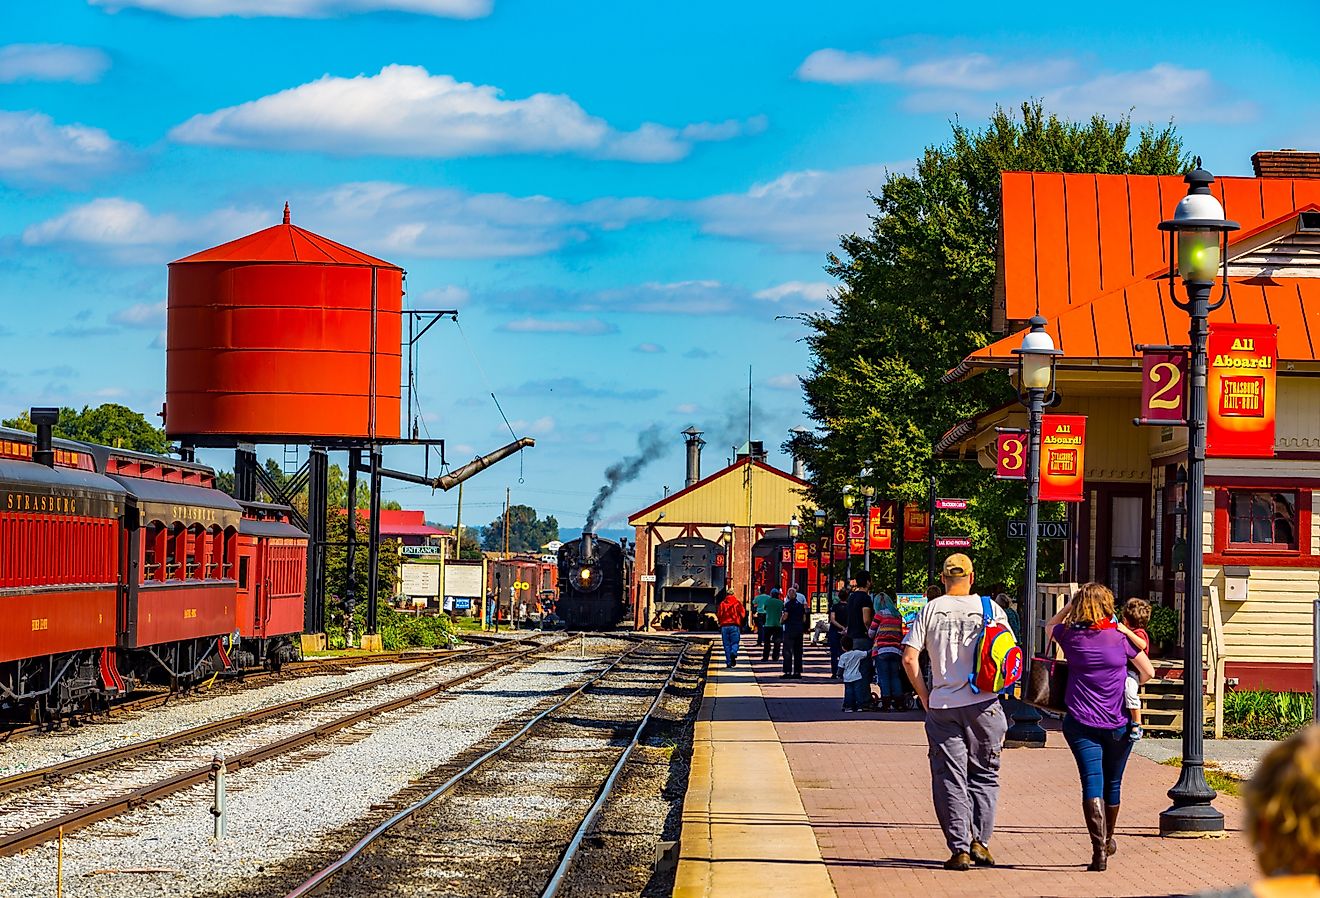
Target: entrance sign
[(1240, 390), (880, 533), (1062, 457), (916, 524), (1163, 387), (953, 542), (1011, 455), (1044, 530)]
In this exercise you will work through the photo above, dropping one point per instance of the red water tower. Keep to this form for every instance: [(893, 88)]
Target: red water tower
[(281, 335)]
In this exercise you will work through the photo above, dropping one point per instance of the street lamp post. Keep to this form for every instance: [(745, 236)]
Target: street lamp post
[(1198, 253), (1036, 360), (868, 492), (822, 527), (849, 500)]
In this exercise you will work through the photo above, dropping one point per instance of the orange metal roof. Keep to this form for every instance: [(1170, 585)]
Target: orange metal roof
[(286, 243), (1068, 238)]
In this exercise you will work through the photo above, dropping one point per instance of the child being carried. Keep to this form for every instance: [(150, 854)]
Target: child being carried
[(1136, 617)]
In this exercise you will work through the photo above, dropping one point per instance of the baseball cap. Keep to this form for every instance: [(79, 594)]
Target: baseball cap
[(957, 565), (775, 591)]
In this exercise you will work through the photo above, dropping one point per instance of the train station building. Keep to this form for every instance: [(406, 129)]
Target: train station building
[(1084, 252), (730, 530)]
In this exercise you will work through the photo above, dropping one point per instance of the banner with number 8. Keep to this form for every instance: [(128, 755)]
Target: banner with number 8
[(1011, 455)]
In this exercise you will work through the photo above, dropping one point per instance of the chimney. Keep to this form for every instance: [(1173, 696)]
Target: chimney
[(45, 419), (1286, 164), (694, 443)]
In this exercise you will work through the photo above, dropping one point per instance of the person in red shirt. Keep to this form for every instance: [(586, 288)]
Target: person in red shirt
[(730, 613)]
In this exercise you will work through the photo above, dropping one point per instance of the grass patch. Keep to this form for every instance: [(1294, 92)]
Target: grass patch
[(1221, 781)]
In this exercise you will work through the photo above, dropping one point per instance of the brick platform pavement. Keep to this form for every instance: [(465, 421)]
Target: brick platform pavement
[(865, 783)]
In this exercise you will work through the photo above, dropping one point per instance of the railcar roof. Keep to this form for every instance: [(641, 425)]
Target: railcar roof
[(29, 473)]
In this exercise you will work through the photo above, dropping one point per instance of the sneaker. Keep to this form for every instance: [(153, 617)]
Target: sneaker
[(981, 855), (1135, 733), (960, 861), (849, 710)]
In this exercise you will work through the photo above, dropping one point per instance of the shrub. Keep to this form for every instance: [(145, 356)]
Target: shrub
[(1260, 714), (1163, 626)]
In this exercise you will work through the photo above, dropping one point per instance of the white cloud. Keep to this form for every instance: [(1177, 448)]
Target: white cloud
[(536, 428), (450, 296), (35, 150), (783, 382), (150, 315), (687, 408), (802, 211), (797, 294), (51, 62), (302, 9), (971, 71), (1159, 93), (406, 111), (649, 348), (590, 327)]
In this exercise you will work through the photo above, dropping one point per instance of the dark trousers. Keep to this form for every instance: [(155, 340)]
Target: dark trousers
[(856, 694), (760, 628), (1101, 757), (835, 640), (793, 651), (889, 675), (774, 637)]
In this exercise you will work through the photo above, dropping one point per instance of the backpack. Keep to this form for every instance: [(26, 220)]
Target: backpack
[(997, 664)]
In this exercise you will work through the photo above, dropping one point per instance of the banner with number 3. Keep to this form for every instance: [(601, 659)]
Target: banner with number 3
[(1011, 455)]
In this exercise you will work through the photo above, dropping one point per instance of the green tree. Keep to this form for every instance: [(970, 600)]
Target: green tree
[(336, 572), (527, 532), (109, 424), (914, 298), (469, 548)]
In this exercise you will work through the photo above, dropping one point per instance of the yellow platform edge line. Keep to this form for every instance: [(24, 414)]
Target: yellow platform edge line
[(745, 831)]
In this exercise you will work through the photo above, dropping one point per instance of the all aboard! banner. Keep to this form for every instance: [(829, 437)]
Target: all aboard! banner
[(1240, 395), (1062, 457), (916, 523)]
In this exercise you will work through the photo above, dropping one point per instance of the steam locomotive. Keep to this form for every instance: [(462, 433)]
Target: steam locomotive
[(594, 574), (120, 566)]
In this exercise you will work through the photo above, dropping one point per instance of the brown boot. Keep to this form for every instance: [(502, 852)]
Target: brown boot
[(1093, 809), (1111, 823)]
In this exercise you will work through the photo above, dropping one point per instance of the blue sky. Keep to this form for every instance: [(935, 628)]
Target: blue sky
[(621, 197)]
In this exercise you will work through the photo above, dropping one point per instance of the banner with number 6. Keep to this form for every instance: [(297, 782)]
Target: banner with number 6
[(1011, 455)]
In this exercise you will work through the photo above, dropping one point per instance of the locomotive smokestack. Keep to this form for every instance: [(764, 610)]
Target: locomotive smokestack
[(796, 435), (45, 419), (588, 545), (694, 444)]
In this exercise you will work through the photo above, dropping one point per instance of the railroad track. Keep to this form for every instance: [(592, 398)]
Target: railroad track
[(459, 840), (31, 814)]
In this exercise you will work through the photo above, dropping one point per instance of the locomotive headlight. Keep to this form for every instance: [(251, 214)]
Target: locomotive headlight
[(585, 575)]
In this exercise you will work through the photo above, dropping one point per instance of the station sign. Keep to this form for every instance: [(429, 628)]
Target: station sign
[(951, 504), (1011, 455), (1240, 392), (1062, 457), (953, 542), (1044, 530)]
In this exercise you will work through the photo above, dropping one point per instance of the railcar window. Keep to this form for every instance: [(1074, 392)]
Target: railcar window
[(153, 545), (174, 552), (243, 572)]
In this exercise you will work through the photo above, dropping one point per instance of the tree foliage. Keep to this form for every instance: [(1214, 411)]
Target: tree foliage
[(914, 299), (109, 424), (527, 532)]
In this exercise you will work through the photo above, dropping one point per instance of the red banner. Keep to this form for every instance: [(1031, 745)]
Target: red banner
[(1240, 390), (840, 535), (800, 554), (786, 555), (1062, 457), (916, 524), (880, 535), (1011, 455), (1164, 387), (856, 535)]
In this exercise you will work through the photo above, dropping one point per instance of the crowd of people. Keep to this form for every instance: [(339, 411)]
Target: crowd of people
[(929, 659)]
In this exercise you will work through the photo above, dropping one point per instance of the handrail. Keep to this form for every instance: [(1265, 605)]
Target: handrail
[(1215, 656)]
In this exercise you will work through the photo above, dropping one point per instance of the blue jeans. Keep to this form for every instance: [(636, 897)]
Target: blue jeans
[(889, 675), (731, 636), (856, 694), (1101, 756)]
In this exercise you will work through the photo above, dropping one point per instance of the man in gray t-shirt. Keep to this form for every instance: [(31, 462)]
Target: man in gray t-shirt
[(965, 729)]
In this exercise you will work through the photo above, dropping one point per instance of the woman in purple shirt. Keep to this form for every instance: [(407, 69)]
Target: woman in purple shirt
[(1096, 725)]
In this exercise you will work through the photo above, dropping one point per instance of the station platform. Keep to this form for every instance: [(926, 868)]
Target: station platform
[(788, 795)]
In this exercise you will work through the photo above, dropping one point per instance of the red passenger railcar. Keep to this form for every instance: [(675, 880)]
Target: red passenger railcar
[(272, 578)]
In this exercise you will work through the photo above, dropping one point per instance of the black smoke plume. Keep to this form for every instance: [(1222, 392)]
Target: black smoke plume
[(649, 447)]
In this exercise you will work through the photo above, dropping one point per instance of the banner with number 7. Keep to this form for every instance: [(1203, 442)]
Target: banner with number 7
[(1011, 455)]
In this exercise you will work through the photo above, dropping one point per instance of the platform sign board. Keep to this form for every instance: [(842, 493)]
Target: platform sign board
[(459, 603), (420, 580), (953, 542), (1011, 455), (1240, 392), (1062, 457), (1044, 530), (646, 578), (463, 579), (1163, 386)]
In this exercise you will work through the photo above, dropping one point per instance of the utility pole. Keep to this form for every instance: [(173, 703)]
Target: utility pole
[(506, 522), (458, 526)]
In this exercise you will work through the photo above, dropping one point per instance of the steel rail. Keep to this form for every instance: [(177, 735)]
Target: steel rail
[(21, 840), (570, 853), (323, 876), (41, 775)]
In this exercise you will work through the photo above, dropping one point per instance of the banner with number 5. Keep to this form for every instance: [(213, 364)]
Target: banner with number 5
[(1163, 387), (1011, 455)]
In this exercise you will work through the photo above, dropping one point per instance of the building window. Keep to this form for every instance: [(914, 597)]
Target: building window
[(1262, 519)]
